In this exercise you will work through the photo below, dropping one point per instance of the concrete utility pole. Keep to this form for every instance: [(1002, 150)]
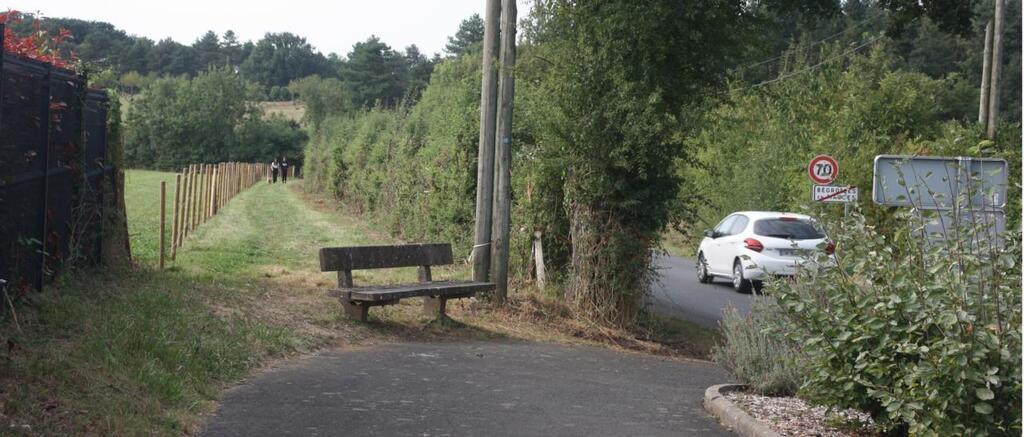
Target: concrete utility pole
[(986, 75), (503, 150), (997, 66), (485, 158)]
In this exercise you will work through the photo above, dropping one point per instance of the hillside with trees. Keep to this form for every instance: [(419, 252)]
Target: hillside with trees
[(198, 103), (375, 70)]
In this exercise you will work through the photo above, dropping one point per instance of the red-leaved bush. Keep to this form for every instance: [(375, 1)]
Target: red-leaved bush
[(39, 45)]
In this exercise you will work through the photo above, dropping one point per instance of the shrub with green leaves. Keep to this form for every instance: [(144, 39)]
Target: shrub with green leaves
[(923, 336), (756, 353), (209, 118)]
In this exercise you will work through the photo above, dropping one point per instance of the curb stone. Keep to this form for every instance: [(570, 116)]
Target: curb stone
[(731, 415)]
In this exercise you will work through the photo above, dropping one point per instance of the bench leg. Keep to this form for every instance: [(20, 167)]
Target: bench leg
[(355, 310), (434, 306)]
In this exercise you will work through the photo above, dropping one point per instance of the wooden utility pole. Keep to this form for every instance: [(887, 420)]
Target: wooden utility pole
[(485, 157), (997, 66), (986, 76), (503, 151)]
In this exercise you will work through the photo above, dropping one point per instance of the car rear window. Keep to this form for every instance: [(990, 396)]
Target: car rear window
[(791, 229)]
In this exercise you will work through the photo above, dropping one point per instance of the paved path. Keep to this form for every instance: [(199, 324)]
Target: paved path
[(680, 295), (500, 388)]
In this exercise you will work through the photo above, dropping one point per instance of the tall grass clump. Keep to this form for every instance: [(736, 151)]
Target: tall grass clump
[(757, 355)]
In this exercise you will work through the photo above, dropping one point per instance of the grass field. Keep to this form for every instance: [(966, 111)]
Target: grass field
[(145, 352), (142, 201), (292, 110)]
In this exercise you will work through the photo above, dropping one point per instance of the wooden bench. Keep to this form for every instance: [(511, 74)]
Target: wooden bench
[(358, 300)]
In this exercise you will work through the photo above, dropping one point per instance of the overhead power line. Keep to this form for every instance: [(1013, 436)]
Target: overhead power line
[(811, 45), (826, 61)]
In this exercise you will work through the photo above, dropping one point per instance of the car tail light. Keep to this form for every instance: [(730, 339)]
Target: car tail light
[(753, 244), (789, 219), (830, 248)]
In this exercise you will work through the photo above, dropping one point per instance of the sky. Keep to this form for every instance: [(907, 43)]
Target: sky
[(330, 26)]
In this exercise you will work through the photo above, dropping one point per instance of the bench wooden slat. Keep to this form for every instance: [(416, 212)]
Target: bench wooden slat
[(334, 259), (401, 291)]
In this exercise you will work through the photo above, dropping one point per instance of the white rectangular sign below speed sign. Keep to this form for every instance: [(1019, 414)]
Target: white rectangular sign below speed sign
[(834, 193)]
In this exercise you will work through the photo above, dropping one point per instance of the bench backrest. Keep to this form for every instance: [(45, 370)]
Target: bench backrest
[(339, 259)]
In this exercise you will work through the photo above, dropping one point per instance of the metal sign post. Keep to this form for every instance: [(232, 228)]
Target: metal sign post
[(823, 171)]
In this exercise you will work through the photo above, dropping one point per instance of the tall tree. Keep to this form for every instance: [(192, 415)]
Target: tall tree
[(622, 75), (467, 39), (136, 56), (280, 58), (207, 49), (417, 72), (234, 50), (374, 73)]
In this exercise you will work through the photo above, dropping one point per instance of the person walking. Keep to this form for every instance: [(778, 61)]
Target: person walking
[(274, 168), (284, 170)]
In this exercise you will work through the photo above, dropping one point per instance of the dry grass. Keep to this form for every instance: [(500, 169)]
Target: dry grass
[(292, 110), (529, 314), (677, 244)]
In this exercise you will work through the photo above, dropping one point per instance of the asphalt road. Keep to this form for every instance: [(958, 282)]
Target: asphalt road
[(679, 294), (500, 388)]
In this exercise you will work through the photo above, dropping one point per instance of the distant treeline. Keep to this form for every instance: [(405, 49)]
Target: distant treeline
[(209, 118), (372, 70), (198, 103)]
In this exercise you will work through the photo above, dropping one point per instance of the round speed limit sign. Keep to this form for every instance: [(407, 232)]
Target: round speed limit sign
[(823, 170)]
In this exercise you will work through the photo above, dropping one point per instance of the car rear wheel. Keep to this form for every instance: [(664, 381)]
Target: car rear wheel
[(739, 283), (702, 270)]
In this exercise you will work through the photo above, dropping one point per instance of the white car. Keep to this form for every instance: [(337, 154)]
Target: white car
[(748, 246)]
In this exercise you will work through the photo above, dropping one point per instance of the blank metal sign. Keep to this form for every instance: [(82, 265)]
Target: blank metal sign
[(931, 182)]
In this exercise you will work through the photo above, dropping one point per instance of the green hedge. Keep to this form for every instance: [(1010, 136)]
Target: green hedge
[(411, 169)]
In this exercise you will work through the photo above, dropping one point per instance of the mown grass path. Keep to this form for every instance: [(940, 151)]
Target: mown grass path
[(270, 230)]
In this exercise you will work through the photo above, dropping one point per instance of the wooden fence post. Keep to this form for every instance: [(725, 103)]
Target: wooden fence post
[(538, 257), (206, 194), (193, 214), (200, 184), (218, 187), (174, 216), (163, 220), (186, 199), (214, 176)]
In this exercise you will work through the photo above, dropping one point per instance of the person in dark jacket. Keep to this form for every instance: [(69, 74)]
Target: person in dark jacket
[(284, 170)]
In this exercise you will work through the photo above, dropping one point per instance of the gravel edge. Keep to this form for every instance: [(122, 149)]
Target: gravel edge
[(731, 416)]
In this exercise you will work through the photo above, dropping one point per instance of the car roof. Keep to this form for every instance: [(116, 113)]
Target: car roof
[(757, 215)]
